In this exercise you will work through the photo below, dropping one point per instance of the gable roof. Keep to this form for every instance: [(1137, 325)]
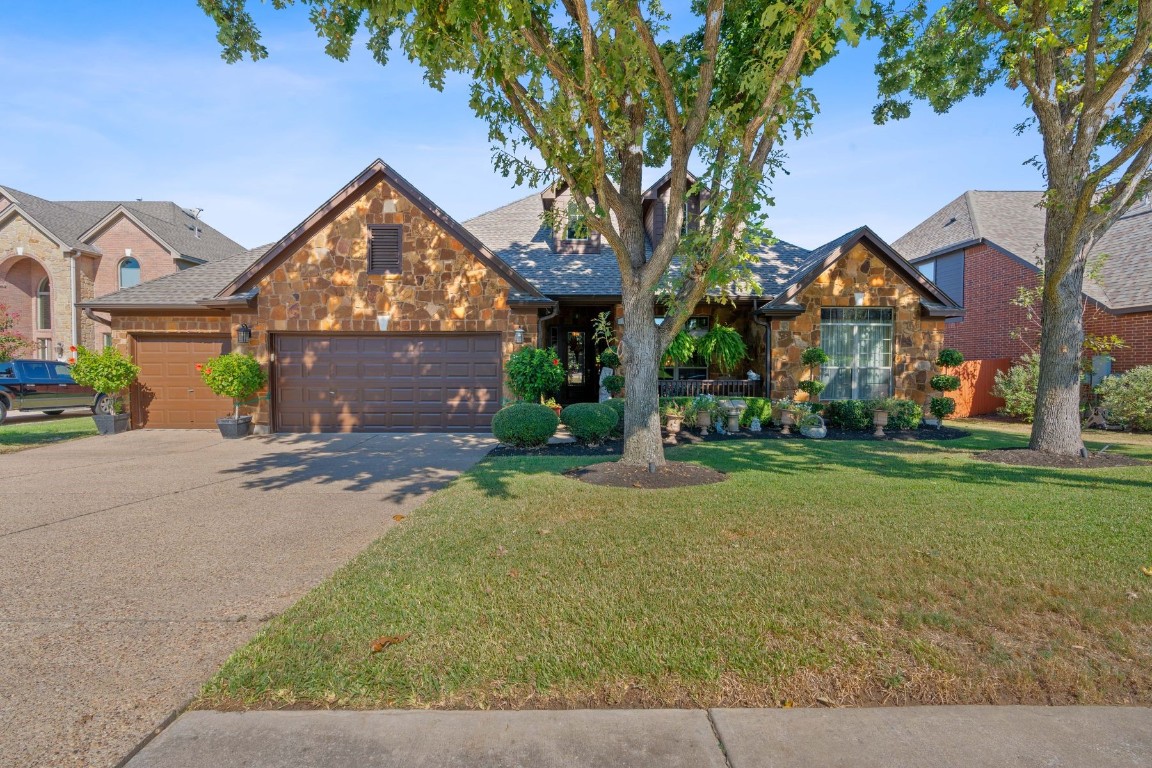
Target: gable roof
[(76, 223), (190, 287), (936, 302), (375, 172), (1013, 222)]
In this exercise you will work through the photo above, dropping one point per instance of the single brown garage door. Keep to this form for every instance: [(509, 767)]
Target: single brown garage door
[(424, 383), (170, 393)]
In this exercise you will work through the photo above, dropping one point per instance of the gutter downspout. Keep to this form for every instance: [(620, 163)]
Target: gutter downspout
[(540, 324), (766, 324), (75, 256), (91, 315)]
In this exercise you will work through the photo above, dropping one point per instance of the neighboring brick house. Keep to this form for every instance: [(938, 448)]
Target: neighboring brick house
[(381, 312), (54, 255)]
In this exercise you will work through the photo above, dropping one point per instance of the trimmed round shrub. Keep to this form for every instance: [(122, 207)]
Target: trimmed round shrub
[(814, 356), (949, 358), (1128, 397), (848, 414), (942, 407), (589, 422), (609, 359), (617, 405), (944, 383), (614, 384), (904, 414), (525, 425)]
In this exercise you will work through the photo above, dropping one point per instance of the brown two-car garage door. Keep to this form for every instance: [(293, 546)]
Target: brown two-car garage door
[(170, 393), (387, 383)]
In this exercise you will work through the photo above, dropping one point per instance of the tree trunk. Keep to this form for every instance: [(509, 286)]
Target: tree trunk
[(640, 358), (1057, 426)]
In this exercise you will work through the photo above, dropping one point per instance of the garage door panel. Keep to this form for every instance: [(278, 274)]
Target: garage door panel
[(170, 393), (387, 382)]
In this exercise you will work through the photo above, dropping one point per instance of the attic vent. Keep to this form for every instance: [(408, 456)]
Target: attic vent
[(384, 249)]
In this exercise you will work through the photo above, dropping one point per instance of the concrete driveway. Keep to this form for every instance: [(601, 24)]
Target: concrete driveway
[(133, 565)]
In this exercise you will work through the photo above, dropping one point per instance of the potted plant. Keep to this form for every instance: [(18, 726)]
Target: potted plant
[(110, 373), (724, 346), (555, 406), (880, 412), (673, 419), (239, 377), (813, 426), (702, 406), (943, 405), (812, 357), (614, 384), (534, 374)]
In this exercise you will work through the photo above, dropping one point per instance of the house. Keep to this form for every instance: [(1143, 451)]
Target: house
[(381, 312), (54, 255), (984, 246)]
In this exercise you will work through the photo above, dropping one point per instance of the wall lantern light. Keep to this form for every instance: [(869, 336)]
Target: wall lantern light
[(243, 334), (518, 336), (382, 321), (859, 296)]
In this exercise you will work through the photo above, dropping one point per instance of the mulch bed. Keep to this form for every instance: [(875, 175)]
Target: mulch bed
[(1024, 457), (685, 437), (674, 474)]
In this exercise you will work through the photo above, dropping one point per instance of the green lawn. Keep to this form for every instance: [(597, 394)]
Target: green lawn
[(17, 436), (852, 571)]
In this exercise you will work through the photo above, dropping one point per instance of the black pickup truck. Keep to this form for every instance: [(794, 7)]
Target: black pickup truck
[(42, 385)]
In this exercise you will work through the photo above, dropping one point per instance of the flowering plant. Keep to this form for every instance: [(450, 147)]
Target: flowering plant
[(533, 373), (108, 372), (233, 375)]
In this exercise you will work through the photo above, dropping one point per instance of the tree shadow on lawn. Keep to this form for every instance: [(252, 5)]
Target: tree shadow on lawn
[(896, 460)]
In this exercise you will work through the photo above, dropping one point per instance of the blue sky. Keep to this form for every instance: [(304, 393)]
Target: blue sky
[(131, 99)]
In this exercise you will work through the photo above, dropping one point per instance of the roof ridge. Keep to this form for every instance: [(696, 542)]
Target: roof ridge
[(972, 219), (529, 196)]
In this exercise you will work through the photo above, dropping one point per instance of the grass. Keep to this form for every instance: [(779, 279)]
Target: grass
[(863, 573), (19, 436)]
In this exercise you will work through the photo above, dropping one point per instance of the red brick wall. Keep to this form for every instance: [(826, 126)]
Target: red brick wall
[(155, 261), (1135, 329), (991, 280)]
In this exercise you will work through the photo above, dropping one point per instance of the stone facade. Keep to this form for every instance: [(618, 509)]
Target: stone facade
[(323, 285), (20, 276), (916, 339)]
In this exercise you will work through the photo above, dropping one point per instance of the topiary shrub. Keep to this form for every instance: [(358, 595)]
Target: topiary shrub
[(1017, 386), (534, 373), (233, 375), (614, 384), (942, 382), (949, 358), (525, 425), (942, 407), (108, 372), (609, 359), (617, 405), (1128, 397), (848, 414), (589, 423)]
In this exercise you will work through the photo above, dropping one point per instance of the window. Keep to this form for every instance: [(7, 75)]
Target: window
[(106, 339), (697, 366), (577, 226), (44, 306), (129, 273), (7, 371), (928, 269), (384, 249), (947, 272), (859, 346)]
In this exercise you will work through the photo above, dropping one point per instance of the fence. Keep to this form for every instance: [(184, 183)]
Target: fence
[(717, 387), (977, 377)]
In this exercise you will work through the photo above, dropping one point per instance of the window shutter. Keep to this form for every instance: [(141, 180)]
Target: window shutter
[(384, 248), (950, 276)]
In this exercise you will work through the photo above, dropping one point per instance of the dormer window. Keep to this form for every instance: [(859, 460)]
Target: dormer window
[(577, 225)]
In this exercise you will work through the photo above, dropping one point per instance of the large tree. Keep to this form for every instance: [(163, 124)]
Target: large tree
[(1084, 69), (602, 89)]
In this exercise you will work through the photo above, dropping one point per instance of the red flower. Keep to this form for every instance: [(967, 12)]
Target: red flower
[(208, 371), (555, 362), (71, 361), (71, 349), (199, 367)]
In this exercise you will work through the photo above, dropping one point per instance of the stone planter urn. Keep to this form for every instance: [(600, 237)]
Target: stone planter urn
[(111, 423), (734, 411), (673, 424), (232, 428), (703, 421), (787, 419), (879, 420)]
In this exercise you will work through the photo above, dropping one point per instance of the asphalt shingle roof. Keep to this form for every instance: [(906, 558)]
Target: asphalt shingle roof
[(1014, 221), (516, 234), (70, 220), (186, 287)]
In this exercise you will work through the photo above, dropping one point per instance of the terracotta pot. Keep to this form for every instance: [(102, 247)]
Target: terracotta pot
[(557, 408)]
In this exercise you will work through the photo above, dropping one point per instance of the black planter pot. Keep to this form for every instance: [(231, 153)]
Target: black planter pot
[(230, 428), (110, 424)]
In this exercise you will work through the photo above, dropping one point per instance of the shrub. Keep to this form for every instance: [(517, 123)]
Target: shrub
[(814, 356), (108, 372), (942, 407), (617, 405), (756, 408), (525, 425), (812, 386), (949, 358), (848, 414), (534, 373), (1017, 386), (1128, 397), (609, 359), (944, 383), (614, 384), (904, 414), (233, 375), (589, 422)]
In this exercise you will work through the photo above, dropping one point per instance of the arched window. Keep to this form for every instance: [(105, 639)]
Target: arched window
[(44, 305), (129, 273)]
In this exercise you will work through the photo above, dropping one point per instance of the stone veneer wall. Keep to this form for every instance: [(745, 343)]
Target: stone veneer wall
[(324, 286), (20, 233), (917, 339)]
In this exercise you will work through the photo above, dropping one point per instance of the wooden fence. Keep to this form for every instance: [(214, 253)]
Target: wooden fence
[(977, 377)]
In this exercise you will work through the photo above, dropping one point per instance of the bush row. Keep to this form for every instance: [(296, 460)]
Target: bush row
[(529, 425), (857, 414)]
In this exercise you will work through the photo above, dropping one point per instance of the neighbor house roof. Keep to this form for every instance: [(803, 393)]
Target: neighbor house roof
[(189, 287), (1013, 222), (76, 223)]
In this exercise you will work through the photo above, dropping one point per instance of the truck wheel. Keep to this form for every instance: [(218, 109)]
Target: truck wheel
[(102, 406), (55, 412), (3, 411)]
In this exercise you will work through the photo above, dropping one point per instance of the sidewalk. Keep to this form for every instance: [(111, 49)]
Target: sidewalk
[(912, 737)]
